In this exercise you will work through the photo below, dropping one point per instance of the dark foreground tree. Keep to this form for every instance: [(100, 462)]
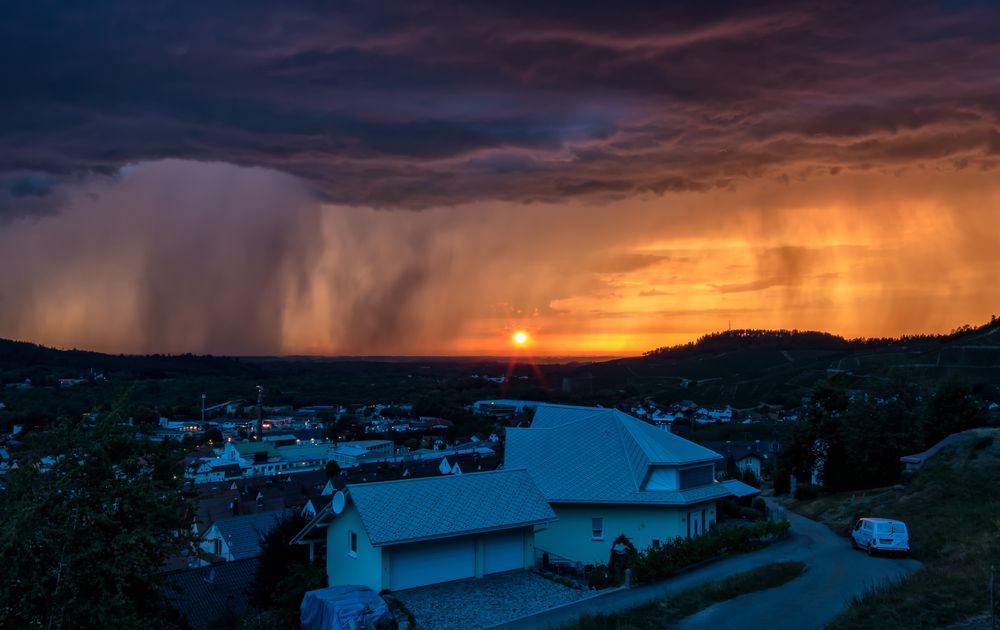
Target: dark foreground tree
[(84, 532), (284, 572)]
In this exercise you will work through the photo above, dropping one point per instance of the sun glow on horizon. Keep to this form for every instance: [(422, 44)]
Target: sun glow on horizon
[(520, 338)]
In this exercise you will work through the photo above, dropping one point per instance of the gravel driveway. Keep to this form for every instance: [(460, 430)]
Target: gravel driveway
[(485, 602)]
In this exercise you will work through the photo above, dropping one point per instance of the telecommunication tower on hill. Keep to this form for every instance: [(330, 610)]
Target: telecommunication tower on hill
[(260, 413)]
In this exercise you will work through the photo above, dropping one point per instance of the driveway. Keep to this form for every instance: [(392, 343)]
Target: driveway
[(470, 604), (835, 572)]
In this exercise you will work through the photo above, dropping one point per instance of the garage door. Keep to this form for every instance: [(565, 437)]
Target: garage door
[(421, 564), (503, 552)]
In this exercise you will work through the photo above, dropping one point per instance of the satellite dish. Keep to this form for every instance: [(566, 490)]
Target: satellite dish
[(339, 501)]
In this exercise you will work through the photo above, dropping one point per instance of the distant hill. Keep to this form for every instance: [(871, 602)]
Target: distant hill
[(746, 367), (741, 368), (19, 360)]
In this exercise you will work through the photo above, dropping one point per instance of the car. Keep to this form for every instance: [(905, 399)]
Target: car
[(881, 535)]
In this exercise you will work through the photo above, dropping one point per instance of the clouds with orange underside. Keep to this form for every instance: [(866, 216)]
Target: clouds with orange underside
[(855, 254)]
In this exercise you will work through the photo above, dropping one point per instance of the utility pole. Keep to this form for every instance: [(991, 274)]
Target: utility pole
[(203, 412), (260, 413)]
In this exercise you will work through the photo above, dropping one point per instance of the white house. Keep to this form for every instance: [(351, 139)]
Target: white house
[(218, 469), (239, 537), (606, 473), (414, 532)]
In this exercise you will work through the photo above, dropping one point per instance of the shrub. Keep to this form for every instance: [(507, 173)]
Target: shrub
[(656, 563), (751, 514), (729, 508), (807, 492), (623, 555), (760, 505), (598, 577)]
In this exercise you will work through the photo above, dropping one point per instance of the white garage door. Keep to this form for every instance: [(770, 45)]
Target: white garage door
[(420, 564), (503, 552)]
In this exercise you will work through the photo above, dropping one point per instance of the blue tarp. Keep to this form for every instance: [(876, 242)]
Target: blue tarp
[(344, 608)]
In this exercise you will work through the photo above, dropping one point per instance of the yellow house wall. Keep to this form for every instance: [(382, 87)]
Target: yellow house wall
[(341, 568), (571, 535)]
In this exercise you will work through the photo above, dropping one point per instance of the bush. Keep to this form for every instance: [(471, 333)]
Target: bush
[(657, 563), (599, 577), (807, 492), (751, 514), (760, 505), (729, 508), (623, 555)]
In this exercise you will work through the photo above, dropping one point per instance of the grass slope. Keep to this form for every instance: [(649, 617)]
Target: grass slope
[(952, 509), (669, 611)]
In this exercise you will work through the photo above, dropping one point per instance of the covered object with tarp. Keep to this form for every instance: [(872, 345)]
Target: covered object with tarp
[(345, 608)]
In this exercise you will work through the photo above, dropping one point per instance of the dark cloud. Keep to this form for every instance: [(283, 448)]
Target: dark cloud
[(624, 263), (28, 195), (415, 104)]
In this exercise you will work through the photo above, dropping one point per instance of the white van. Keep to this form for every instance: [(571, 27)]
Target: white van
[(881, 535)]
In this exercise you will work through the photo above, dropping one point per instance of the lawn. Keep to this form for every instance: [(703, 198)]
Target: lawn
[(952, 509), (670, 610)]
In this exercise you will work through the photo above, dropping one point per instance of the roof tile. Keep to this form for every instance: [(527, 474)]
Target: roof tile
[(450, 505)]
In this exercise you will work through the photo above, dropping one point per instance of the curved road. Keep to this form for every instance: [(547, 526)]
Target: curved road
[(835, 572)]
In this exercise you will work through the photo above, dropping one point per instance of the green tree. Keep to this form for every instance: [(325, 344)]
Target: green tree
[(284, 572), (952, 409), (213, 435), (332, 469), (84, 535), (731, 470)]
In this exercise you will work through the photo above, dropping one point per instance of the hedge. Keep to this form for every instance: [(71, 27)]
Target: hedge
[(657, 563)]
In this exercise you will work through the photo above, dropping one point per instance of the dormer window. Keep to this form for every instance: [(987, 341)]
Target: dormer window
[(697, 476)]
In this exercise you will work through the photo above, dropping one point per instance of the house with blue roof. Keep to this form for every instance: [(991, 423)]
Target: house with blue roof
[(606, 473), (408, 533)]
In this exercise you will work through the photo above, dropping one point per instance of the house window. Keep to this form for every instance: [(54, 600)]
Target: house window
[(597, 528), (352, 544), (697, 476), (218, 546)]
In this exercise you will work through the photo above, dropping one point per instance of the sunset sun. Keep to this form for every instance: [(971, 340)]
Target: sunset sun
[(520, 338)]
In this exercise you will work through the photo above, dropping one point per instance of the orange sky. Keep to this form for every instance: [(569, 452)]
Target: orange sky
[(177, 257), (406, 179)]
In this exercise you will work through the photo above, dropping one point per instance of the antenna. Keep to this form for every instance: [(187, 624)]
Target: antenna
[(260, 413)]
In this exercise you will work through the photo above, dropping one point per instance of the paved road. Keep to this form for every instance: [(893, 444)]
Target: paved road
[(834, 573)]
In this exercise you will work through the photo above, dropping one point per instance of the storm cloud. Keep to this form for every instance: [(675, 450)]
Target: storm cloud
[(424, 178), (422, 104)]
